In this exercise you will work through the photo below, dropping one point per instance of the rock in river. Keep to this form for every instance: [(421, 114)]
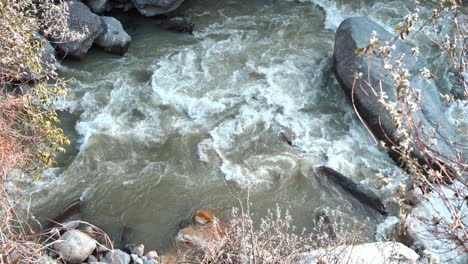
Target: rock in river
[(354, 33), (115, 39), (85, 28)]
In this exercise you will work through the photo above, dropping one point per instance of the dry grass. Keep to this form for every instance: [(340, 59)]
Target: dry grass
[(275, 239)]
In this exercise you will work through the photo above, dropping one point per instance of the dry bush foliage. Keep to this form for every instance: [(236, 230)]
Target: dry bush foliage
[(29, 88), (274, 240), (444, 25)]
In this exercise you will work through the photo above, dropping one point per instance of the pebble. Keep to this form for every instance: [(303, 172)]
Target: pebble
[(138, 250), (117, 256), (152, 255)]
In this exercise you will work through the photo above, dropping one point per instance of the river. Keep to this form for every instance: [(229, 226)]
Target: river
[(160, 132)]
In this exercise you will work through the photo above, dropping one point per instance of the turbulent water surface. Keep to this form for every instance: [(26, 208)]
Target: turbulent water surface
[(163, 130)]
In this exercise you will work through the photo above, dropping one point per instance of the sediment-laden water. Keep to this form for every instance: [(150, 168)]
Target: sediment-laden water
[(160, 132)]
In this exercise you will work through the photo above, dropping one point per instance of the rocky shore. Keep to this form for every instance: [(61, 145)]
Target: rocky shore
[(77, 242)]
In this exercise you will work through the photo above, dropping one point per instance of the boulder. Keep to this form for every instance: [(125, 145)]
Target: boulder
[(359, 191), (75, 246), (115, 39), (156, 7), (85, 28), (117, 256), (370, 253), (98, 6), (354, 33)]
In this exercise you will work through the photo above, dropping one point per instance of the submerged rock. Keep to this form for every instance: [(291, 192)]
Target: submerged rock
[(86, 27), (358, 191), (156, 7), (354, 33), (115, 39), (75, 246), (179, 24)]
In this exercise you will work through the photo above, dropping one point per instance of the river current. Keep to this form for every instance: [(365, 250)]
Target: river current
[(160, 132)]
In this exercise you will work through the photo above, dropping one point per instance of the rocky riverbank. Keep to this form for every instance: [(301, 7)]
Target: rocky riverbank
[(79, 243)]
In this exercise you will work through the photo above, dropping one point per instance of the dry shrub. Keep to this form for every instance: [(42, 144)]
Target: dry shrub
[(274, 240), (18, 242), (29, 90), (443, 25)]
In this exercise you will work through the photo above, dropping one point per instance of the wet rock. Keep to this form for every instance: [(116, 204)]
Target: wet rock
[(358, 191), (156, 7), (87, 27), (115, 39), (354, 33), (98, 6), (117, 256), (179, 24), (75, 246), (288, 137)]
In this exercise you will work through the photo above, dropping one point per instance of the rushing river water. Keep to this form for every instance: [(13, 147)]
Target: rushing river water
[(161, 131)]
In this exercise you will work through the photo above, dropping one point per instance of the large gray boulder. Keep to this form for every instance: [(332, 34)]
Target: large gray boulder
[(115, 39), (99, 6), (354, 33), (75, 246), (84, 25), (156, 7)]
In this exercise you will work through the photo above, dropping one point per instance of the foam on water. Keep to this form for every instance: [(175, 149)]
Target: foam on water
[(261, 84), (162, 126)]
